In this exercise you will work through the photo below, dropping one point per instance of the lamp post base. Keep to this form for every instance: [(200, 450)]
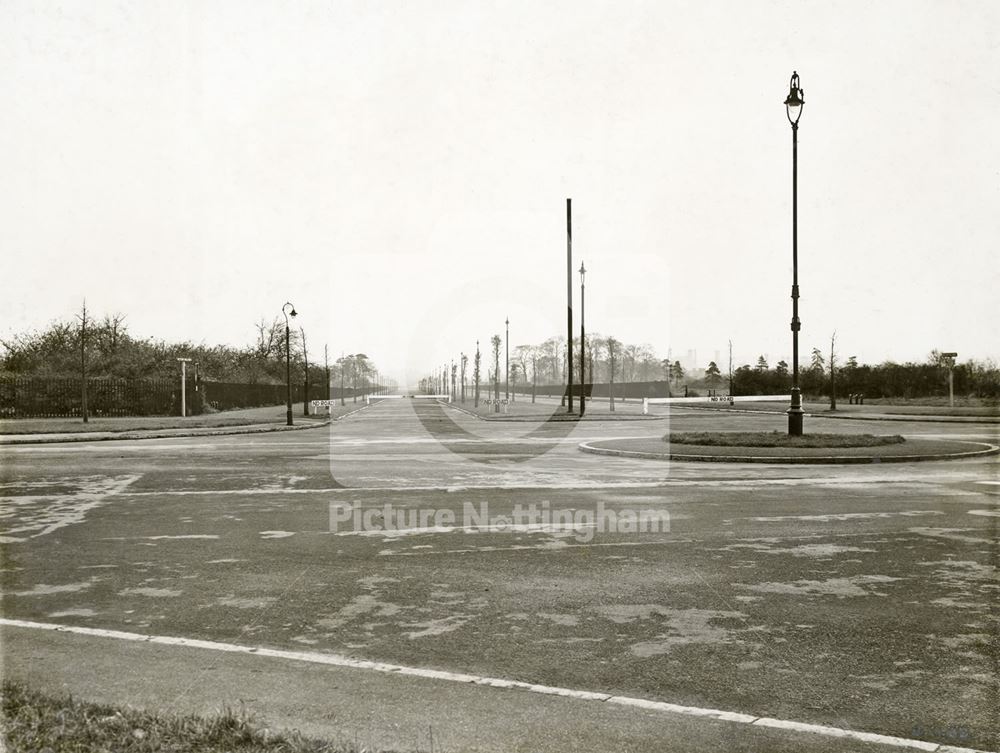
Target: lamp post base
[(795, 414)]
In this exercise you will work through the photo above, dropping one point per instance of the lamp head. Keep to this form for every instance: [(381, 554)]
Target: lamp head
[(795, 100), (583, 272)]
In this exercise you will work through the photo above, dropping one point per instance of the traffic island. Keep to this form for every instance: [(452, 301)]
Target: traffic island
[(775, 447)]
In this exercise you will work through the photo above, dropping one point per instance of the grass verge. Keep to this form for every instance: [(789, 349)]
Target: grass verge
[(226, 419), (778, 439), (39, 722)]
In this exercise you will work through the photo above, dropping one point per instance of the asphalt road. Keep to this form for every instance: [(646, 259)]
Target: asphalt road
[(860, 597)]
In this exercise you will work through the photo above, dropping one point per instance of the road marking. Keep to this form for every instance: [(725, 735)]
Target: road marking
[(828, 517), (986, 513), (495, 682)]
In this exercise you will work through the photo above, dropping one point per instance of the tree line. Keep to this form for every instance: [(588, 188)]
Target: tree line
[(105, 348), (972, 378), (610, 360)]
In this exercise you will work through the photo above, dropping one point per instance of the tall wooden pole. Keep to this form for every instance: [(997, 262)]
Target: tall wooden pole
[(569, 301), (583, 349), (305, 390)]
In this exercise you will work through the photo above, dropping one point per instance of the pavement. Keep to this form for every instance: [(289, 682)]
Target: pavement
[(302, 422), (752, 602), (104, 436)]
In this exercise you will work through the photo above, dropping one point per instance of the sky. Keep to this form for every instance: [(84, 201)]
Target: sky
[(399, 171)]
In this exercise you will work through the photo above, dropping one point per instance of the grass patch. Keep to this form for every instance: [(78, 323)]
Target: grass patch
[(779, 439), (37, 721), (221, 420)]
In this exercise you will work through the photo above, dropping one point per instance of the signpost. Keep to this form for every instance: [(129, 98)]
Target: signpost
[(949, 360), (184, 363)]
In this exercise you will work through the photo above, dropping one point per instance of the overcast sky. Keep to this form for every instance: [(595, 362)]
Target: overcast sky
[(399, 171)]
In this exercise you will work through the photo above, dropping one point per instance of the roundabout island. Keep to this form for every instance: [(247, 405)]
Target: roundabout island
[(779, 448)]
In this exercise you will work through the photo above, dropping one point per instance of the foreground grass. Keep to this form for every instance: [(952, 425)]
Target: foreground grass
[(34, 721), (779, 439)]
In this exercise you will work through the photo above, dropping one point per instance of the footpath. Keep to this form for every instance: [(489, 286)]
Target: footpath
[(248, 421)]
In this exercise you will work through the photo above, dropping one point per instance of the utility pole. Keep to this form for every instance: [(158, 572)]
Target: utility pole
[(583, 345), (833, 372), (569, 302), (730, 368), (305, 358)]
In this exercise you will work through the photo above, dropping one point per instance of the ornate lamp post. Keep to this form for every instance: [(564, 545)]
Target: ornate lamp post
[(288, 361), (583, 344), (793, 109)]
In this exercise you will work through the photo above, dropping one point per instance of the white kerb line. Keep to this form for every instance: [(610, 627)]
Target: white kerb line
[(436, 674)]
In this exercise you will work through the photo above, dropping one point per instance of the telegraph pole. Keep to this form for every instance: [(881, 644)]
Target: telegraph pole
[(569, 301)]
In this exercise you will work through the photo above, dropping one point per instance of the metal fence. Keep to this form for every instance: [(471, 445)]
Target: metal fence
[(57, 397)]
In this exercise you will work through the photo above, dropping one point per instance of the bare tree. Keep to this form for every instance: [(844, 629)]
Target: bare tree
[(111, 333), (360, 368), (464, 361), (343, 363), (613, 347), (326, 369), (475, 372), (269, 337), (496, 341), (595, 344)]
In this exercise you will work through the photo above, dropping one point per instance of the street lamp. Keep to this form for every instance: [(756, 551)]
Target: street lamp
[(288, 361), (793, 109), (583, 346)]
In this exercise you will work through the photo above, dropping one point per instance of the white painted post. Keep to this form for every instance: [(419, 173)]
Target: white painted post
[(184, 363), (645, 406), (949, 360)]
